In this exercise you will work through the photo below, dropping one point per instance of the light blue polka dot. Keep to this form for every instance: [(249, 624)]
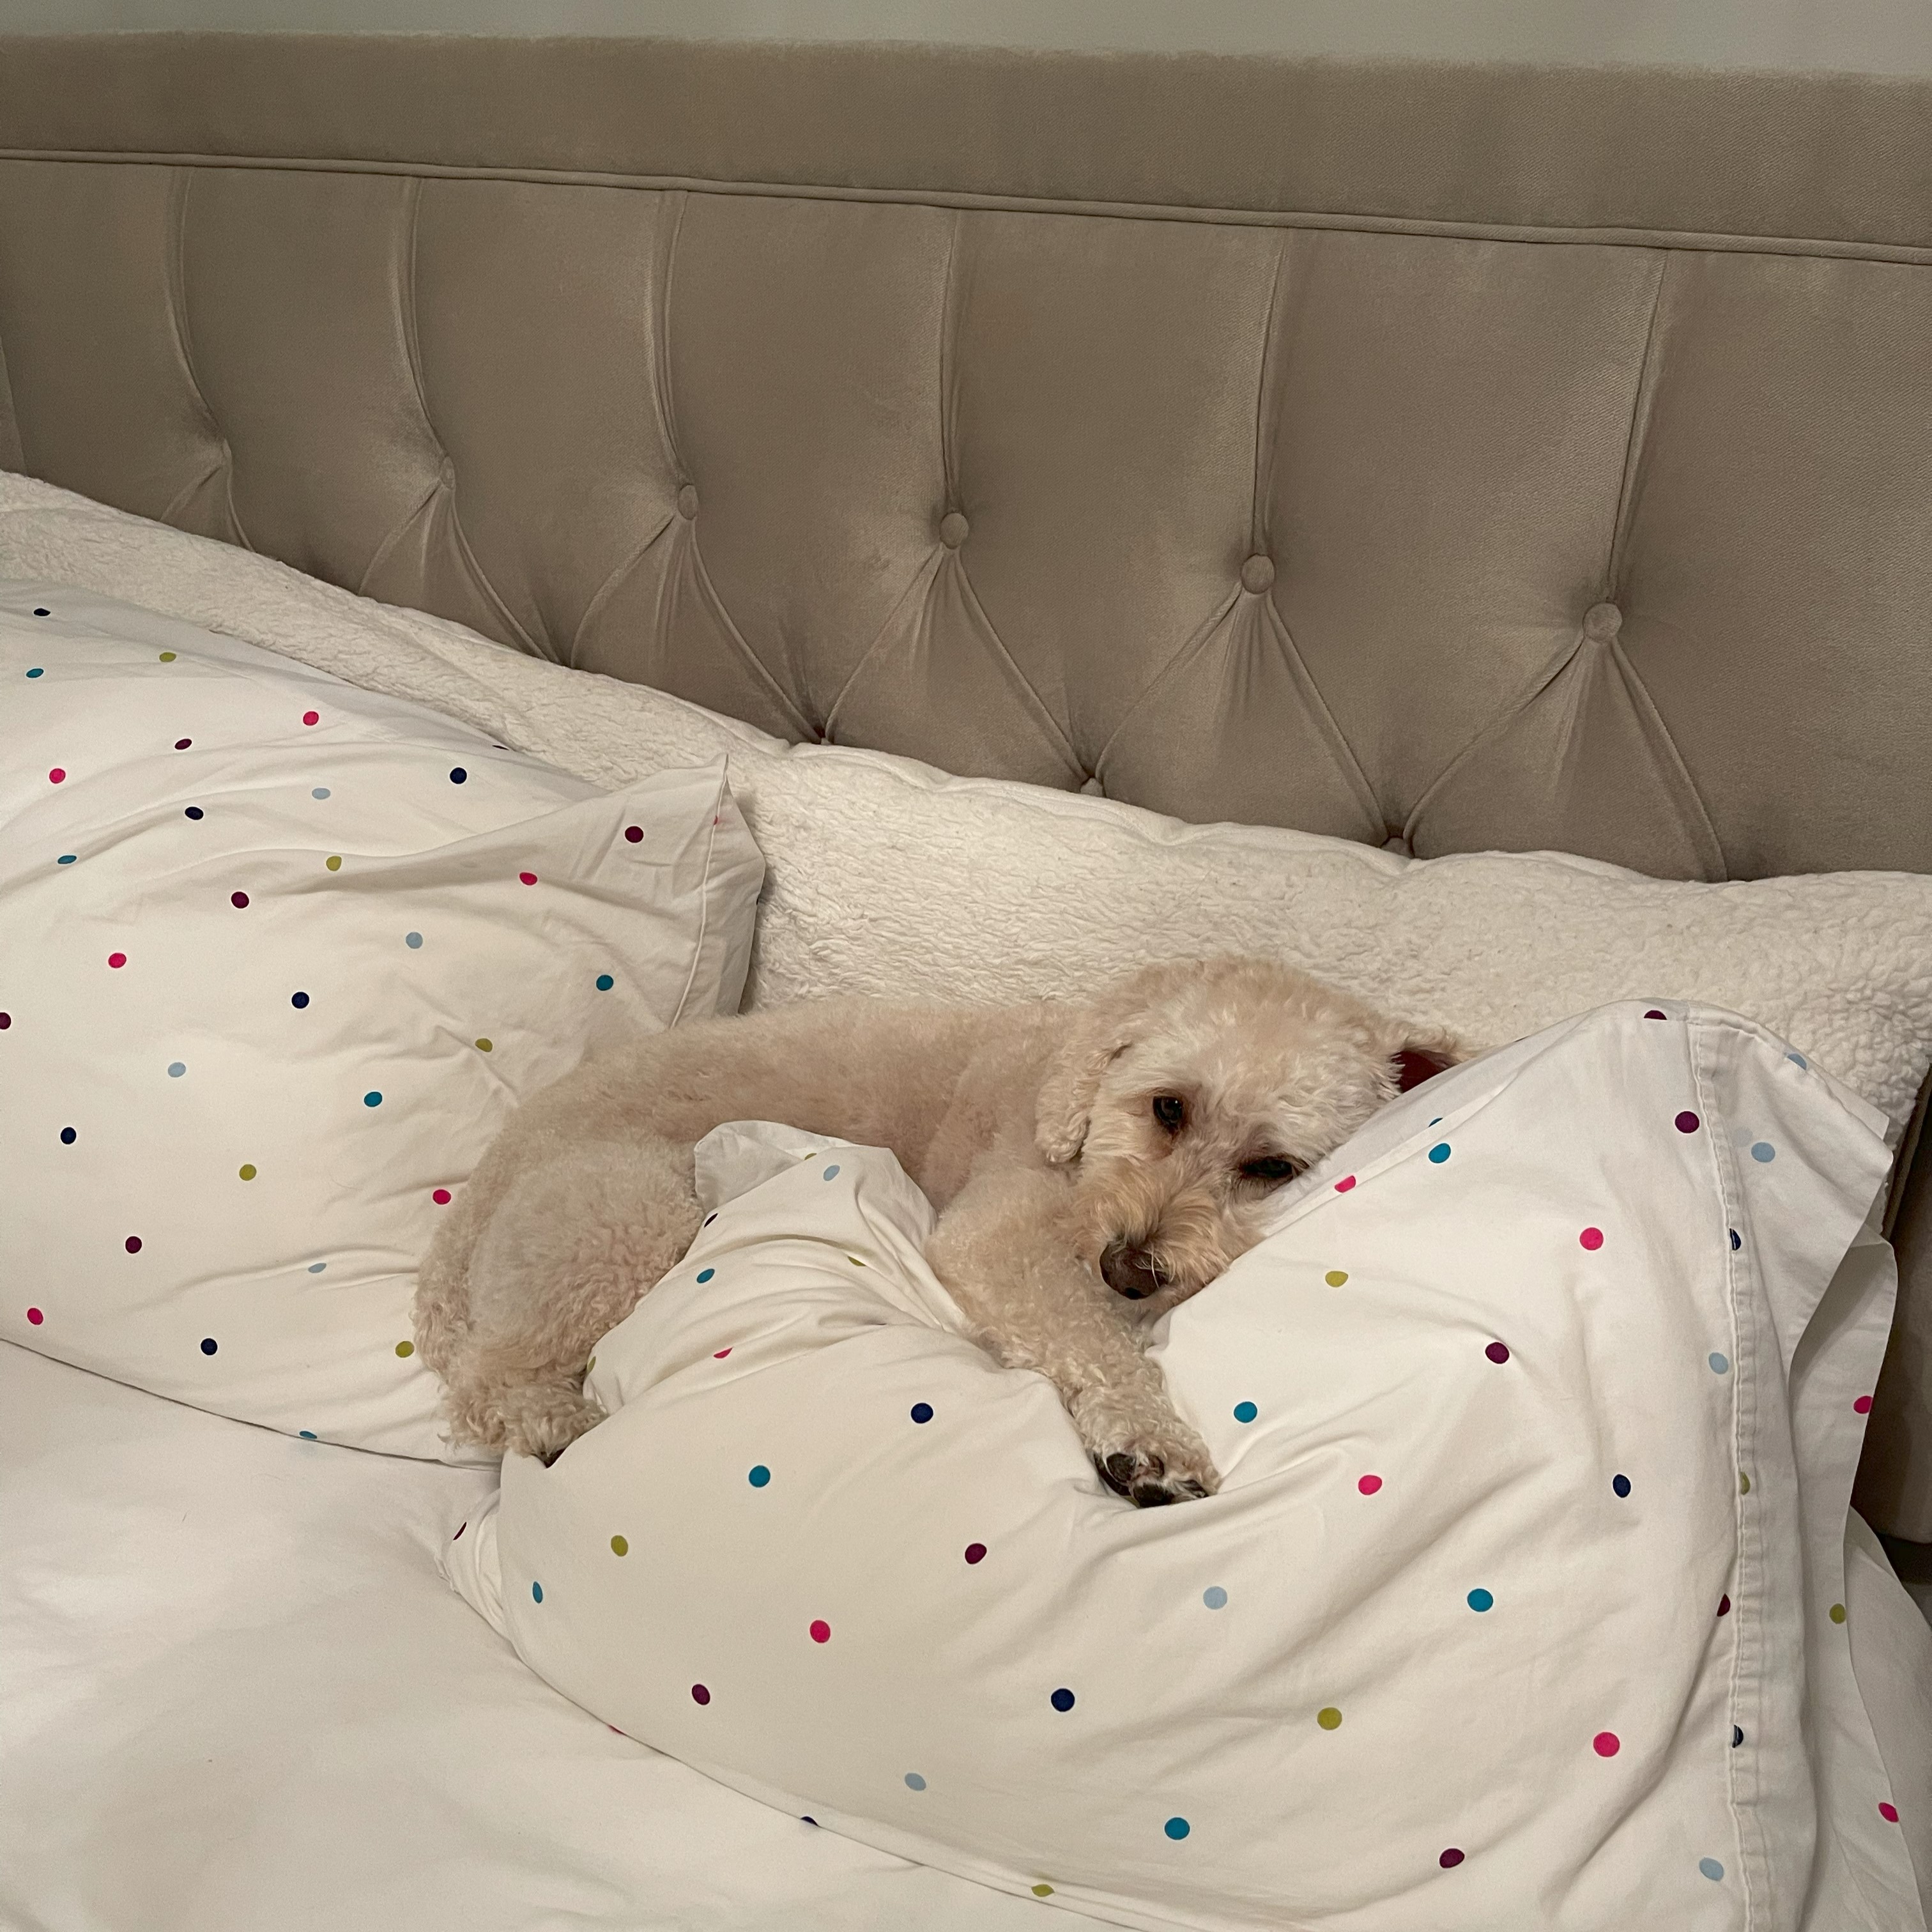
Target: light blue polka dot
[(1710, 1868), (316, 1267), (1763, 1150), (1480, 1600), (372, 1098), (604, 982), (1177, 1828), (1439, 1153), (536, 1593), (1245, 1411), (413, 941), (1214, 1596), (320, 791), (66, 858), (705, 1274), (914, 1782), (1720, 1365), (759, 1477), (176, 1068), (1798, 1059), (831, 1172)]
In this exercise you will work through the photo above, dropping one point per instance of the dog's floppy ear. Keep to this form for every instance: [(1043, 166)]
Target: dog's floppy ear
[(1100, 1033), (1422, 1055)]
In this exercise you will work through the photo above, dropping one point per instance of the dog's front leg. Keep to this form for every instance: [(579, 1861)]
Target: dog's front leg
[(1002, 1251)]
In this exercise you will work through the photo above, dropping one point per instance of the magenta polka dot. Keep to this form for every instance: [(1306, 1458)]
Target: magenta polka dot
[(1687, 1122), (1591, 1238), (1451, 1859), (699, 1695), (1862, 1406), (719, 1354), (528, 878), (1889, 1813), (440, 1196), (57, 776), (976, 1552), (132, 1244), (182, 744), (35, 1316), (634, 833), (1497, 1352), (1368, 1485), (821, 1630), (311, 717), (1347, 1181), (238, 900), (1606, 1744), (117, 960)]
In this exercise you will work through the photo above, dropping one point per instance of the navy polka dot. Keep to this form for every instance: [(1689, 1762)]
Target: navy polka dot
[(297, 1000), (457, 775), (1062, 1700), (193, 811), (68, 1137), (41, 610), (1622, 1484), (1737, 1240), (207, 1345), (921, 1411), (1737, 1735)]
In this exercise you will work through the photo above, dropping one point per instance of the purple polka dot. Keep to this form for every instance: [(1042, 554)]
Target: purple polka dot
[(182, 744), (699, 1695), (132, 1244), (238, 900), (1687, 1122), (1497, 1351), (634, 833), (1452, 1858), (976, 1552), (1653, 1014)]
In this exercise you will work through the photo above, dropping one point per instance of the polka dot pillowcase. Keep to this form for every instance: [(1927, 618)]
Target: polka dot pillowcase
[(1521, 1603), (276, 957)]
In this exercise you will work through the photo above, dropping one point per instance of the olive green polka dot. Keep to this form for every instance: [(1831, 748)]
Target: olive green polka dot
[(1042, 1892), (1335, 1277), (167, 657), (1328, 1718), (1837, 1613), (619, 1546), (855, 1261), (483, 1046), (590, 1365), (247, 1170), (406, 1348), (1743, 1483), (334, 861)]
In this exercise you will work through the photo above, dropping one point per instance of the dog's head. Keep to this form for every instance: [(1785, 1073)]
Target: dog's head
[(1188, 1095)]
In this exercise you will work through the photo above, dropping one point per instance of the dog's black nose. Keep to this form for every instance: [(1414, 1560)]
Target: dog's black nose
[(1130, 1271)]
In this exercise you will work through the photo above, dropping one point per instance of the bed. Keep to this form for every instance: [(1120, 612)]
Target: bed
[(1308, 467)]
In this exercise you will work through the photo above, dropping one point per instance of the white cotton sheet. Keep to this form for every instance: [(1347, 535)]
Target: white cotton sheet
[(238, 1695)]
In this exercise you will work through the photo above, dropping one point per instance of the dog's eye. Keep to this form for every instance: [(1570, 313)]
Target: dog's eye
[(1171, 1111), (1271, 1168)]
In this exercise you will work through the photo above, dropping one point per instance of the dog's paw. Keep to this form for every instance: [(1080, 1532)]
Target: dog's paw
[(1149, 1460)]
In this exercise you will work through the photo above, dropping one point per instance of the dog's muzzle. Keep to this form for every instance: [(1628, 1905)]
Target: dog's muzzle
[(1131, 1271)]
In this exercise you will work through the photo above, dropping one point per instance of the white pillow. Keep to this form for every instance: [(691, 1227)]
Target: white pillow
[(276, 957), (886, 877), (1515, 1527)]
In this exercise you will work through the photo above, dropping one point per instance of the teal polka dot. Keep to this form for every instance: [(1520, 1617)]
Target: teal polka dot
[(1710, 1868), (536, 1593), (306, 1435), (1481, 1600), (176, 1068), (759, 1477), (1177, 1828), (39, 670), (604, 982), (372, 1098), (705, 1274), (1439, 1153), (1214, 1596), (1763, 1150), (1245, 1411), (1720, 1365), (66, 858)]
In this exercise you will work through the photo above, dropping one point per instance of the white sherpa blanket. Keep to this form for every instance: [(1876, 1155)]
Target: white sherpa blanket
[(884, 876)]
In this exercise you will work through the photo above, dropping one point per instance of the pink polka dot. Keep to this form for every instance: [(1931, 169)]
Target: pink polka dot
[(311, 717), (132, 1244), (1347, 1181), (699, 1695), (1368, 1485), (634, 833), (1591, 1238), (718, 1355), (35, 1316), (528, 878), (1606, 1744), (117, 960), (440, 1196), (1497, 1352), (238, 900), (1862, 1406), (57, 776), (976, 1552), (1889, 1813), (1687, 1122), (1724, 1606), (821, 1630)]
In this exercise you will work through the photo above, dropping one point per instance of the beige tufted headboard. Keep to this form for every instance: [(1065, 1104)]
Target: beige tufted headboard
[(1452, 457)]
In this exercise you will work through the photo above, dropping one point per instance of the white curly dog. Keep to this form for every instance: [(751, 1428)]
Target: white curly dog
[(1093, 1164)]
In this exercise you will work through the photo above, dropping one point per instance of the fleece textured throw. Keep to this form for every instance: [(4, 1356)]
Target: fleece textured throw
[(1522, 1603), (884, 876)]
